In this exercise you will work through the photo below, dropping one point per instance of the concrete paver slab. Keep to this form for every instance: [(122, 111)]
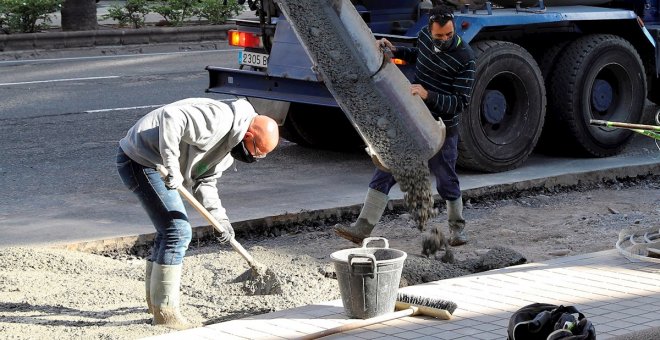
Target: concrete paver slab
[(591, 282)]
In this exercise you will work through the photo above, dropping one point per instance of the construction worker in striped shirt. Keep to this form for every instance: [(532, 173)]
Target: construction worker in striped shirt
[(444, 75)]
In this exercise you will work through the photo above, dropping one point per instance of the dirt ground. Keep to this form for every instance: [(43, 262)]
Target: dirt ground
[(49, 294)]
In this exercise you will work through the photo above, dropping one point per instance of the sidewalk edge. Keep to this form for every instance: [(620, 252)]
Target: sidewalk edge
[(267, 224)]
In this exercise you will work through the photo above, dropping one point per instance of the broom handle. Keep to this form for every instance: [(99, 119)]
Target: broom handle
[(207, 215), (404, 309), (624, 125), (359, 324)]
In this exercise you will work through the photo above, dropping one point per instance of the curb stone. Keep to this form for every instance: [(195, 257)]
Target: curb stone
[(263, 225), (152, 35)]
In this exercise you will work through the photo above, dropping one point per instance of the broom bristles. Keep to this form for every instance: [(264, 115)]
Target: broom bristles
[(424, 301)]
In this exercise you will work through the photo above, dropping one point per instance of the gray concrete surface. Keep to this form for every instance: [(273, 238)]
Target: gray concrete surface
[(645, 334)]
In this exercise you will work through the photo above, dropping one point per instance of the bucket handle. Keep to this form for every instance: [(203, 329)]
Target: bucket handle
[(369, 239), (370, 257)]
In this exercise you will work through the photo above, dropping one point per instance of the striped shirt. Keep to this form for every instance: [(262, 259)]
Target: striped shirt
[(447, 76)]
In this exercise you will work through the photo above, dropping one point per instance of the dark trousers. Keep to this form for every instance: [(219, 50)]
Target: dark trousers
[(442, 166)]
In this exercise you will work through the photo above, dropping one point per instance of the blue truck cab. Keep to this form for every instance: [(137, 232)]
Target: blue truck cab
[(543, 71)]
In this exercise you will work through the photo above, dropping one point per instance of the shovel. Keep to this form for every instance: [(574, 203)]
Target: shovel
[(259, 279)]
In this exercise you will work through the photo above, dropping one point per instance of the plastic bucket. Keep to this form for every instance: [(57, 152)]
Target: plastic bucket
[(368, 278)]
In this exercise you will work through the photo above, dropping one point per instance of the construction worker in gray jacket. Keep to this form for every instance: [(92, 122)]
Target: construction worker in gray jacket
[(444, 75), (195, 139)]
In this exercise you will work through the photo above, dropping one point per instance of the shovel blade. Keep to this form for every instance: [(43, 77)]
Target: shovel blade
[(260, 280)]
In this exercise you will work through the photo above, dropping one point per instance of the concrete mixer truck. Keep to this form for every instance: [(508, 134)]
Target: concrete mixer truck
[(544, 69)]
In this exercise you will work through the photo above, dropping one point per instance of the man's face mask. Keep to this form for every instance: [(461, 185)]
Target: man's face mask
[(443, 45), (241, 153)]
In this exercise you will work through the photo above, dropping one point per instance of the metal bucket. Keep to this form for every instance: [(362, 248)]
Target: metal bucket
[(368, 278)]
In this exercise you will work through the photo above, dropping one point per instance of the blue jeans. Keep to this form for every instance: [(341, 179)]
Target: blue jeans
[(442, 166), (164, 207)]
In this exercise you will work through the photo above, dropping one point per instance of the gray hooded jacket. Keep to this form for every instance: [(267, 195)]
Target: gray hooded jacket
[(192, 137)]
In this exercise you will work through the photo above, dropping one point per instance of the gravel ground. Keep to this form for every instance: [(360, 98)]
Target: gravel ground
[(50, 293)]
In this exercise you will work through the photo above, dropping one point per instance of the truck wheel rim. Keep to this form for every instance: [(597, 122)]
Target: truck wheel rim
[(493, 106), (501, 122), (601, 95), (610, 91)]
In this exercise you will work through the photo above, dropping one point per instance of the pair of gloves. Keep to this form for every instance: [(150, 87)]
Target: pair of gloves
[(173, 180)]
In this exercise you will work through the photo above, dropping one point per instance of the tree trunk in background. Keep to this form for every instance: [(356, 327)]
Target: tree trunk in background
[(79, 15)]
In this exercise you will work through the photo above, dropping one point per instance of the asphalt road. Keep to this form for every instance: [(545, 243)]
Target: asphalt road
[(61, 117), (78, 81), (62, 114)]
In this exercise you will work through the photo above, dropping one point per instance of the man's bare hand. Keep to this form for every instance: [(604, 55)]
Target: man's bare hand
[(419, 90), (384, 43)]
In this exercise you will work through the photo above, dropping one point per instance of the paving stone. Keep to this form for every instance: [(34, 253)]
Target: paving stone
[(623, 299)]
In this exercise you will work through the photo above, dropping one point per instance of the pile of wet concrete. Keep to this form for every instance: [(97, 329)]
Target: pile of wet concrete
[(54, 293)]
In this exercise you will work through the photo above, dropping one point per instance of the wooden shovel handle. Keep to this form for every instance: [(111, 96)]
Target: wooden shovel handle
[(359, 324), (207, 215)]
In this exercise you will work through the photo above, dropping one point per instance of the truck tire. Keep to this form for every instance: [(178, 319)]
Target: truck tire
[(598, 76), (289, 130), (501, 126), (320, 127), (654, 93), (547, 60)]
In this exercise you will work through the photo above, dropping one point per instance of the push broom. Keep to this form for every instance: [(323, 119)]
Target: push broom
[(406, 305)]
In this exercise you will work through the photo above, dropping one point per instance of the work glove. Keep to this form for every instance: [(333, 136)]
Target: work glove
[(173, 180), (226, 231)]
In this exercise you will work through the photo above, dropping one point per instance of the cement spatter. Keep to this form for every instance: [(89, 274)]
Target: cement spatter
[(345, 73), (419, 269)]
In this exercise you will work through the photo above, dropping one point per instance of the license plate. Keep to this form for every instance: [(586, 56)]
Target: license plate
[(252, 59)]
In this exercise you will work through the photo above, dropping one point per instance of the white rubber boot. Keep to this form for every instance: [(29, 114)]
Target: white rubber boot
[(165, 285), (147, 285), (457, 235), (372, 210)]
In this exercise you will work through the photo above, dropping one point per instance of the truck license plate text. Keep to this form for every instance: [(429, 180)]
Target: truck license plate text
[(253, 59)]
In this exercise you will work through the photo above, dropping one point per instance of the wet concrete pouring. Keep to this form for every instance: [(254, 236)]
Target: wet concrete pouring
[(368, 82), (48, 293)]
